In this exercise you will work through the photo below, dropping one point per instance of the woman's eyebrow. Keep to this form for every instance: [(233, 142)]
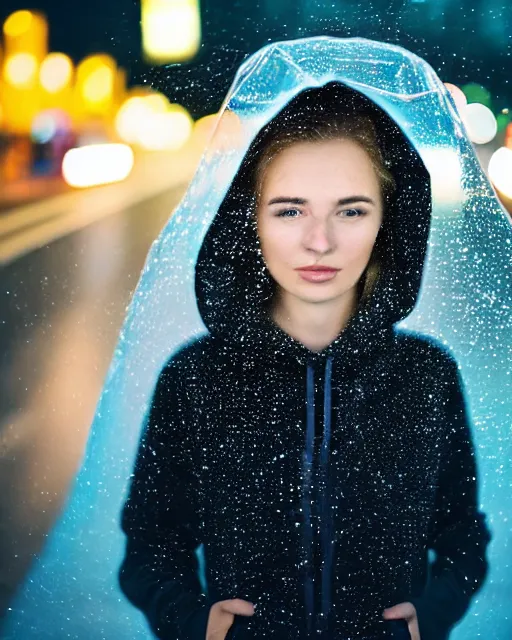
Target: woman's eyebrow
[(285, 200), (340, 203)]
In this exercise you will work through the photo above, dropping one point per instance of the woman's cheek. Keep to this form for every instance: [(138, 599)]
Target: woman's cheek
[(360, 247), (280, 248)]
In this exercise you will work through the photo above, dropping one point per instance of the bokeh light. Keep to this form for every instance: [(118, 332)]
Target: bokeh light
[(48, 124), (171, 29), (446, 172), (18, 23), (97, 164), (500, 170), (481, 123), (129, 116), (44, 127), (55, 72), (98, 86), (228, 132), (508, 136), (169, 130), (204, 127), (157, 103), (20, 70), (503, 119), (95, 85), (153, 123), (475, 92), (26, 32)]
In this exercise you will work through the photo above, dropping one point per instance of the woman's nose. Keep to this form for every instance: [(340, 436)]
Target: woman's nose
[(318, 236)]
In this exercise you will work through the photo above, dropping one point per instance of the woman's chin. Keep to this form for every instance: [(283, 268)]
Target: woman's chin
[(318, 295)]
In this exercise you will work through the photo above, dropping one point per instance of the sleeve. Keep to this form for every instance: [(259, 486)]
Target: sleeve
[(159, 572), (459, 535)]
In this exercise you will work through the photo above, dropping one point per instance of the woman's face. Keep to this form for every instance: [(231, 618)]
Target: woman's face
[(320, 204)]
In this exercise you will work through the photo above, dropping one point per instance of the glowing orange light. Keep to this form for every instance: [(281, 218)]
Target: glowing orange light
[(95, 85), (18, 23), (99, 85), (26, 32), (20, 70), (55, 73)]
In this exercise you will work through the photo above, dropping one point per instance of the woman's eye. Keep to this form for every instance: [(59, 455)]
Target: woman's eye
[(288, 213), (358, 213), (346, 213)]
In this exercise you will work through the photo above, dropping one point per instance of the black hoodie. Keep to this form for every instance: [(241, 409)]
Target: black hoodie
[(317, 482)]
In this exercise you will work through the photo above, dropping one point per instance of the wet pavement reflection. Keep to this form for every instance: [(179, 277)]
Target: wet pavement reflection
[(61, 309)]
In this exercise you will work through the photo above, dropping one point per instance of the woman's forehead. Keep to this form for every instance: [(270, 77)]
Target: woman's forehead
[(320, 166)]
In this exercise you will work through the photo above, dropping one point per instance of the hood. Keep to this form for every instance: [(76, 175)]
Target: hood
[(232, 284)]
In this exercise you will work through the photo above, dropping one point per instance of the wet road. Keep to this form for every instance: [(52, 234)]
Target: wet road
[(61, 308)]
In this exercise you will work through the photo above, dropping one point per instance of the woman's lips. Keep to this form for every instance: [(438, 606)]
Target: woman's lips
[(317, 275)]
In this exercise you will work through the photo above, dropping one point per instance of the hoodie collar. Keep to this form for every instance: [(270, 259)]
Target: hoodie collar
[(366, 334)]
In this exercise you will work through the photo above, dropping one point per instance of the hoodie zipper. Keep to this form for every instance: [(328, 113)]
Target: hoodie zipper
[(320, 622)]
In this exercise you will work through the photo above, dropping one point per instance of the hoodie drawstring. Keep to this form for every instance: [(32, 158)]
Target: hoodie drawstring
[(325, 495), (325, 515), (306, 495)]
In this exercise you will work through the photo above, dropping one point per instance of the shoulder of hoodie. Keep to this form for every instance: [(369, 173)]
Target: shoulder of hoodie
[(192, 355), (421, 349)]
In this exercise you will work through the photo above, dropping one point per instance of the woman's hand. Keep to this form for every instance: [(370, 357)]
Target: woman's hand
[(405, 611), (222, 616)]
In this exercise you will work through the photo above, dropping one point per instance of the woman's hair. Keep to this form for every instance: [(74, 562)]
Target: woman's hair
[(324, 127)]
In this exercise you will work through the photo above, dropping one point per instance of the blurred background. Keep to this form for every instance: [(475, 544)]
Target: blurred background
[(105, 108)]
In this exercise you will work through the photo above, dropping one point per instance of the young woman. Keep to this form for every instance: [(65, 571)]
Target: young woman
[(316, 451)]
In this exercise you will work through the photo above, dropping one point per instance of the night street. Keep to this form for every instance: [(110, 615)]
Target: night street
[(61, 310), (292, 421)]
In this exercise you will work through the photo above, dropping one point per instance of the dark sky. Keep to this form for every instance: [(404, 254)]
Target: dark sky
[(463, 40)]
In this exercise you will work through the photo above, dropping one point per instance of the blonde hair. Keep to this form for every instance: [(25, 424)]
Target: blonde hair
[(359, 128)]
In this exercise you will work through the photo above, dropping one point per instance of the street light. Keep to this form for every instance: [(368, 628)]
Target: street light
[(26, 32), (95, 86), (171, 30), (20, 70), (56, 72), (25, 46)]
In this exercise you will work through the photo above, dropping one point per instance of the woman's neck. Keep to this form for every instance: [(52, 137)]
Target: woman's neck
[(315, 325)]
